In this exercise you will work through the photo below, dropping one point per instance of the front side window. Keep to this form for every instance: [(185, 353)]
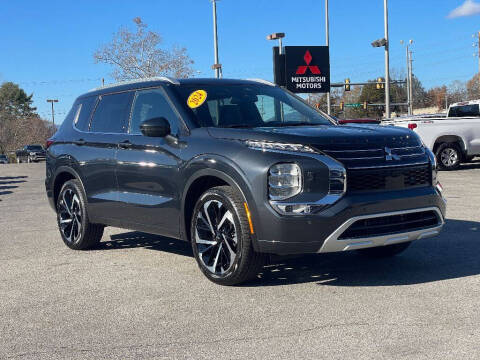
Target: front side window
[(248, 106), (150, 104), (112, 113)]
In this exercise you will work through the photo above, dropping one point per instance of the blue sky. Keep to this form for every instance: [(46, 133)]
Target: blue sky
[(47, 46)]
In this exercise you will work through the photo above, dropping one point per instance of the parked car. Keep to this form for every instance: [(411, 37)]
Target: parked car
[(30, 153), (240, 169), (3, 159), (454, 138)]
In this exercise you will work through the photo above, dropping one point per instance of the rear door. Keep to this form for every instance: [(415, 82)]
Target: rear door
[(98, 147), (147, 168)]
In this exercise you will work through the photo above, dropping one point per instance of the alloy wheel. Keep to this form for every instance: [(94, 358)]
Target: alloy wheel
[(216, 237), (449, 157), (70, 215)]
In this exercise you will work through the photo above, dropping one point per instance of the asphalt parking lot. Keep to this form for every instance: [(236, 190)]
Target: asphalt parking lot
[(141, 296)]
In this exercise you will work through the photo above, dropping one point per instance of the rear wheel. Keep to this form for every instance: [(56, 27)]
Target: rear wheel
[(385, 251), (75, 228), (449, 156), (221, 239)]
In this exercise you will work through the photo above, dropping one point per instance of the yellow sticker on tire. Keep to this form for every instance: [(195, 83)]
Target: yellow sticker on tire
[(196, 98)]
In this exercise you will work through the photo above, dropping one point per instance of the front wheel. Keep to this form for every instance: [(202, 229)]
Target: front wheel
[(75, 228), (449, 156), (221, 238)]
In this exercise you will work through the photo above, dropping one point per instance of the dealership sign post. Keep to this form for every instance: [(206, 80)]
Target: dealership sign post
[(303, 69)]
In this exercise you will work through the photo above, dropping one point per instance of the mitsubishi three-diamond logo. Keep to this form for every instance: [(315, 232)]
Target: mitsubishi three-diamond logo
[(302, 69), (389, 156)]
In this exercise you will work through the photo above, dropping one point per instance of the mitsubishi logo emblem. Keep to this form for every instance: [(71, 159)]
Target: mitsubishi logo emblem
[(302, 69), (389, 156)]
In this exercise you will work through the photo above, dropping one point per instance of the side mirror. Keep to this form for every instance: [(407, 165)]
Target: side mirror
[(156, 127)]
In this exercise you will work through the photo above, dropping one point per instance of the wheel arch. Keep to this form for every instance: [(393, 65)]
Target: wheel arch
[(450, 139), (219, 172), (62, 175)]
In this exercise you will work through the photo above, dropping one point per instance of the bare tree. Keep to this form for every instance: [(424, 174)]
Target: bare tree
[(138, 55)]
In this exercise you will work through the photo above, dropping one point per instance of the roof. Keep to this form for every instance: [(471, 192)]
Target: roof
[(463, 103), (156, 81)]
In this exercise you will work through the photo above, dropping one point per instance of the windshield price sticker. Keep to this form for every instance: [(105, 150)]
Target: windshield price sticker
[(196, 99)]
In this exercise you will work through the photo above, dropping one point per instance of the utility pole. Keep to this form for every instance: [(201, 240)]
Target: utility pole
[(410, 90), (53, 112), (387, 61), (217, 67), (408, 77), (327, 41)]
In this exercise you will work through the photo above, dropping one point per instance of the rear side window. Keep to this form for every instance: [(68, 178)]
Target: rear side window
[(83, 111), (112, 113), (464, 111), (151, 104)]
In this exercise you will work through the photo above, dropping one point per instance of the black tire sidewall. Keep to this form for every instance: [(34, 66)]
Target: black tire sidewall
[(452, 146), (76, 188), (215, 194)]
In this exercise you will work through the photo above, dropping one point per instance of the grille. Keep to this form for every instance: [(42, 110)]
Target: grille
[(390, 225), (388, 178)]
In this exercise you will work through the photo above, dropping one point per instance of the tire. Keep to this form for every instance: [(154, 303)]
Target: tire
[(449, 156), (72, 218), (18, 161), (219, 218), (29, 160), (385, 251)]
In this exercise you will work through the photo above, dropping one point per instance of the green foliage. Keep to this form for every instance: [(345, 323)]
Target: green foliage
[(14, 101)]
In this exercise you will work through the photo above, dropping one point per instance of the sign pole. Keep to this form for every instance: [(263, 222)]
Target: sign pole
[(387, 62), (327, 41)]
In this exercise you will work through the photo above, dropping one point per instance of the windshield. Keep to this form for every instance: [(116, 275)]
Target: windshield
[(3, 156), (247, 106), (34, 148)]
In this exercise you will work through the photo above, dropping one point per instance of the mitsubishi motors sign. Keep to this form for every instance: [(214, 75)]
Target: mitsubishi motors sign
[(307, 69)]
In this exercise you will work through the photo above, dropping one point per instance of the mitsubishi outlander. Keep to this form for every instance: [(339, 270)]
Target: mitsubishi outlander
[(240, 169)]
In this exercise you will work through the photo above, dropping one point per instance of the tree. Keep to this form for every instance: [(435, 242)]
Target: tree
[(436, 97), (19, 122), (473, 88), (14, 101), (138, 55)]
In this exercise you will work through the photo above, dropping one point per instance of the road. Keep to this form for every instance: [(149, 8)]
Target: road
[(141, 296)]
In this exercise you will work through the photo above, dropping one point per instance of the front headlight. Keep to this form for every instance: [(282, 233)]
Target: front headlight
[(32, 154), (276, 146), (284, 181)]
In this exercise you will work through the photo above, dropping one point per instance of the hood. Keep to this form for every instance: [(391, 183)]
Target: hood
[(354, 146), (326, 136)]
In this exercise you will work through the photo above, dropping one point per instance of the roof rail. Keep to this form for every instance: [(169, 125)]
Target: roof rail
[(134, 81), (266, 82)]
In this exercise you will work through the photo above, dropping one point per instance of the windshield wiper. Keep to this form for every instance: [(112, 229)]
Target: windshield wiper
[(298, 124), (231, 126)]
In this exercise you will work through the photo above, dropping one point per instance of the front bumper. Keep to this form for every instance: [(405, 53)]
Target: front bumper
[(283, 235)]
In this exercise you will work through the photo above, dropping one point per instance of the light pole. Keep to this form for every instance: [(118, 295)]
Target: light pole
[(327, 42), (384, 42), (409, 75), (387, 61), (217, 67), (53, 112), (279, 37)]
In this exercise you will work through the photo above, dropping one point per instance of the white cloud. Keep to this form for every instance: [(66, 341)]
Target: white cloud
[(468, 8)]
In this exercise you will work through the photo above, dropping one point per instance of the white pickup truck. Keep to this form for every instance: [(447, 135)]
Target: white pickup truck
[(454, 138)]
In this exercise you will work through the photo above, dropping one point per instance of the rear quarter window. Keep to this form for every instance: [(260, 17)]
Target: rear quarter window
[(82, 112)]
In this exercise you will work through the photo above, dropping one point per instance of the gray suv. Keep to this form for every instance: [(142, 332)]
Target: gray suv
[(240, 169)]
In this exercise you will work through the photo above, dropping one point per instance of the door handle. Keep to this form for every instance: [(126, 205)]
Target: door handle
[(80, 142), (125, 144)]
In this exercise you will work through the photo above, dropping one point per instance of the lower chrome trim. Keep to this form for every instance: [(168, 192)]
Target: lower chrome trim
[(332, 244)]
